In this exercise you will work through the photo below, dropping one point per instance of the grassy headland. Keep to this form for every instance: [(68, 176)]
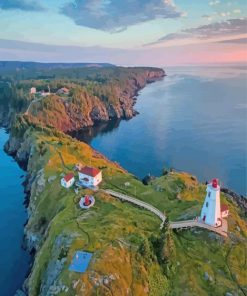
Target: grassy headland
[(131, 255)]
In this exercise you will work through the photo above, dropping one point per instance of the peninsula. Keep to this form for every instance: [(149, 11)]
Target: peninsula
[(129, 253)]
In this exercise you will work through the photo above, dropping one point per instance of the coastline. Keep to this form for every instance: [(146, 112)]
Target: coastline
[(14, 217), (22, 152), (32, 240), (12, 148)]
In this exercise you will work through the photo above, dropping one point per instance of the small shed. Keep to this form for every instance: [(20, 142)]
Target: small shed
[(68, 180), (33, 90)]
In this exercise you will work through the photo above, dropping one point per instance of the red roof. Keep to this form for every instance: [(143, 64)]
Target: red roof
[(68, 177), (224, 208), (92, 172)]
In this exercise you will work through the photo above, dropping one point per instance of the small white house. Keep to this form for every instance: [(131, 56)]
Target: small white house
[(68, 180), (90, 177), (33, 90)]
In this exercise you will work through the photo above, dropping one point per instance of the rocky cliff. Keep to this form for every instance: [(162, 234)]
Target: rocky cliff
[(143, 259), (83, 108)]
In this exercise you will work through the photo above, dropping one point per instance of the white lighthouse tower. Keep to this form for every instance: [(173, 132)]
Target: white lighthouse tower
[(211, 210)]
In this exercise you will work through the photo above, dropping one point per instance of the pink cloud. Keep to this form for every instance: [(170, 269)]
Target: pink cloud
[(160, 56)]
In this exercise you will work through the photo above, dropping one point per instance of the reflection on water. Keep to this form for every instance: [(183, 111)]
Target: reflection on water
[(88, 133), (14, 261), (194, 120)]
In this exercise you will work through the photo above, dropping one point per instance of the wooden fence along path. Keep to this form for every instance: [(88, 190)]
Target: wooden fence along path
[(174, 225), (195, 223)]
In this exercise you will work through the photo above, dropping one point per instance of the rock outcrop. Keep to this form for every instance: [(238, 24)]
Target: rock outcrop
[(84, 109)]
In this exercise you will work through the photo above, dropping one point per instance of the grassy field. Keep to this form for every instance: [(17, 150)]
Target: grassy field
[(129, 256)]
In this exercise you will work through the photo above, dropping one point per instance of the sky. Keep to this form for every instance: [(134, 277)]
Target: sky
[(124, 32)]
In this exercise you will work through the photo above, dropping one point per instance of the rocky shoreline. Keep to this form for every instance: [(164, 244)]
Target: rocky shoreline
[(85, 110), (22, 150), (35, 183), (239, 199)]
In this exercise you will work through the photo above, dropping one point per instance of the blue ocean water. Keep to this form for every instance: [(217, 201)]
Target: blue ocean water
[(14, 261), (194, 120)]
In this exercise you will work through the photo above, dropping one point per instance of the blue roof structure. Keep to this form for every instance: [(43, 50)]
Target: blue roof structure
[(80, 261)]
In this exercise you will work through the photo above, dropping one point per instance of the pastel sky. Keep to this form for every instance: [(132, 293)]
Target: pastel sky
[(128, 32)]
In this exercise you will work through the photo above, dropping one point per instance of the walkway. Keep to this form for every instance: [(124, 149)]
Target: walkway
[(138, 203), (31, 103), (174, 225), (222, 230)]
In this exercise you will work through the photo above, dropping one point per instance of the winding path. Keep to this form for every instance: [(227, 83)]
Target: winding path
[(33, 102), (174, 225)]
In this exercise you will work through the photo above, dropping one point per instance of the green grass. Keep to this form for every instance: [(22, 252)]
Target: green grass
[(114, 231)]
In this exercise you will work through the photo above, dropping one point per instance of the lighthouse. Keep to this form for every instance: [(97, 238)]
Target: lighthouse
[(211, 210)]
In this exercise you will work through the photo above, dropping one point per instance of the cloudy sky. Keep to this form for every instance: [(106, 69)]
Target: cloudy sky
[(128, 32)]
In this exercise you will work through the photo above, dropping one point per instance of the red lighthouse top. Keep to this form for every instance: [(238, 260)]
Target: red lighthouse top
[(215, 183)]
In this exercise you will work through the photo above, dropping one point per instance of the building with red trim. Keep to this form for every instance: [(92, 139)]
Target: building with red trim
[(89, 176), (68, 180), (212, 211)]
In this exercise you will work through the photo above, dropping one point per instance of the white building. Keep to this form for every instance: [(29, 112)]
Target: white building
[(33, 90), (212, 212), (90, 177), (44, 93), (68, 180)]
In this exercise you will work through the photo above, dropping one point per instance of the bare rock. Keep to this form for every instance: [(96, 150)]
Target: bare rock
[(52, 178)]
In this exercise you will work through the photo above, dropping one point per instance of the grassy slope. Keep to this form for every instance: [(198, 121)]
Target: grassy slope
[(114, 231)]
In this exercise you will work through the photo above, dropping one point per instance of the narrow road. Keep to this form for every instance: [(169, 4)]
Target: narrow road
[(174, 225)]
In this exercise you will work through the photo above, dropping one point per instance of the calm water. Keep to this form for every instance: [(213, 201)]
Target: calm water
[(194, 120), (13, 260)]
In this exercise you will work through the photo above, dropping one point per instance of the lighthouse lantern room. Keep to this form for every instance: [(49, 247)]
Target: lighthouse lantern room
[(211, 210)]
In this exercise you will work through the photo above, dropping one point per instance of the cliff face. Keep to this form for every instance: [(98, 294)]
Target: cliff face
[(139, 260), (6, 115), (81, 108), (143, 260)]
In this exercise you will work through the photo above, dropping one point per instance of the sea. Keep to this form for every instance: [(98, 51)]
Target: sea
[(14, 261), (194, 120)]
